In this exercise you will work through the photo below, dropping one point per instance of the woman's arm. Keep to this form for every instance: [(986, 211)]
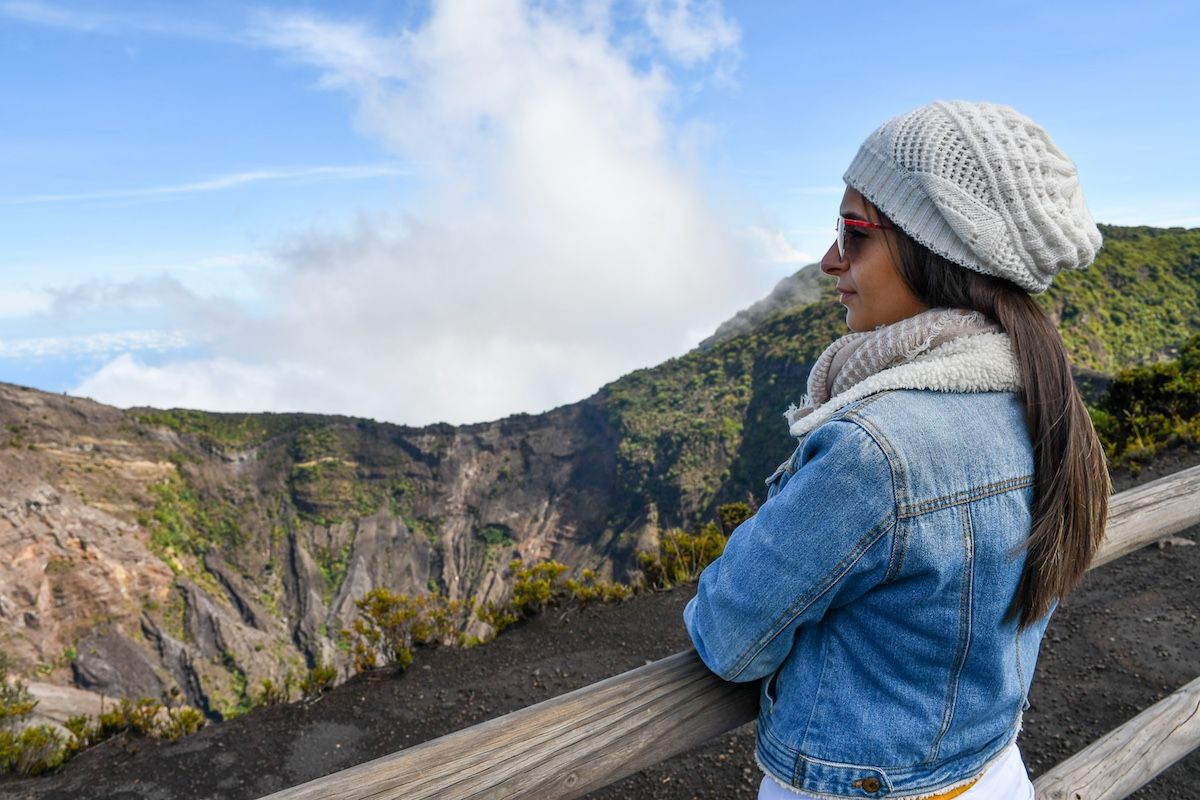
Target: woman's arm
[(825, 539)]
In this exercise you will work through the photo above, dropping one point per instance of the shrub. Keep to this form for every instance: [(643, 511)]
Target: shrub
[(16, 702), (535, 586), (139, 718), (272, 694), (541, 585), (390, 625), (31, 751), (588, 588), (39, 748), (731, 515), (1149, 408), (181, 721), (681, 556), (318, 680)]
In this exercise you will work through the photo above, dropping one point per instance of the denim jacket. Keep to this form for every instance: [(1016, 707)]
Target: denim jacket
[(871, 594)]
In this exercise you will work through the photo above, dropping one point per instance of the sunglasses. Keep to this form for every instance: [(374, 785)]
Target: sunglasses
[(843, 223)]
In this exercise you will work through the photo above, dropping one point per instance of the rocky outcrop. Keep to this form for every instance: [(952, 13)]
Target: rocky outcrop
[(109, 663), (137, 560)]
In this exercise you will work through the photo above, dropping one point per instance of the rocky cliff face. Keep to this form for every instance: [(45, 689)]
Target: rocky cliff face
[(140, 558)]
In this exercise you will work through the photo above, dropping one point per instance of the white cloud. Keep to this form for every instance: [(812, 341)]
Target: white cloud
[(89, 21), (16, 303), (220, 183), (560, 243), (692, 31), (92, 344), (775, 247)]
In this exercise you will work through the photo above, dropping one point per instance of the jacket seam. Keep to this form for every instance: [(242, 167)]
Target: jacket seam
[(896, 472), (853, 413), (965, 608), (908, 510), (816, 693)]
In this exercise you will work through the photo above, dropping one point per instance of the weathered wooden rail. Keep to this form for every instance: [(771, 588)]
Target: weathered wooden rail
[(571, 744)]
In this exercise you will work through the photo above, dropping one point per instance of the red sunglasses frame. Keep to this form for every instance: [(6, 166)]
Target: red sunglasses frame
[(843, 223)]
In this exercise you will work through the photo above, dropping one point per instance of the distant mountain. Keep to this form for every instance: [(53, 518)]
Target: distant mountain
[(802, 287), (193, 554)]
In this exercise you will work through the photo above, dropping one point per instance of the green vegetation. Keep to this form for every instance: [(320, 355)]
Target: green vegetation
[(329, 490), (495, 539), (1140, 298), (681, 557), (35, 749), (182, 521), (333, 568), (392, 624), (16, 703), (495, 535), (708, 425), (1147, 409), (225, 430), (320, 679)]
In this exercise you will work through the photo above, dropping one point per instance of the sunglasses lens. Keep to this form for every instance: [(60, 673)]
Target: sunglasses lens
[(841, 238)]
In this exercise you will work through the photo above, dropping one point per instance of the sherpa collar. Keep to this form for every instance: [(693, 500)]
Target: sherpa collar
[(978, 363)]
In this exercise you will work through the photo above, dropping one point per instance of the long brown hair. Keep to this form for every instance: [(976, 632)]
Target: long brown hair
[(1071, 486)]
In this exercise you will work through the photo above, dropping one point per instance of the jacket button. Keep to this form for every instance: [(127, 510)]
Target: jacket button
[(870, 785)]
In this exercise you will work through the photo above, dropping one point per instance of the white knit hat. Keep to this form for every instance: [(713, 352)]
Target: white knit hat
[(981, 185)]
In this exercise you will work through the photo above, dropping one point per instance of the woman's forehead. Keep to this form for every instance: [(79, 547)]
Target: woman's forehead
[(854, 205)]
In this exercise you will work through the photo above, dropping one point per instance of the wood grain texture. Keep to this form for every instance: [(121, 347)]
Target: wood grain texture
[(1122, 761), (571, 744), (1150, 512), (563, 747)]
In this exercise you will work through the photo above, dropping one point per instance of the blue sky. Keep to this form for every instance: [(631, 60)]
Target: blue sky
[(456, 211)]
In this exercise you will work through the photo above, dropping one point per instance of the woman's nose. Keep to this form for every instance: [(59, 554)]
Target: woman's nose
[(831, 262)]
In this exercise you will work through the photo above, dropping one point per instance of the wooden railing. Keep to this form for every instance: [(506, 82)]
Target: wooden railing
[(571, 744)]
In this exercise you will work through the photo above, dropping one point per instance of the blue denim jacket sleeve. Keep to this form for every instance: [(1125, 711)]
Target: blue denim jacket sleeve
[(825, 539)]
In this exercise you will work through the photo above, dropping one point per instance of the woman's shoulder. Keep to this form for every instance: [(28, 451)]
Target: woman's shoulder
[(940, 443), (934, 412)]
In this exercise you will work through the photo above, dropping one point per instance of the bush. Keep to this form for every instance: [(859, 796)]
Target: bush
[(318, 681), (182, 721), (681, 556), (588, 588), (731, 515), (392, 624), (139, 718), (145, 717), (542, 585), (272, 694), (16, 703), (1147, 409), (32, 751), (536, 586)]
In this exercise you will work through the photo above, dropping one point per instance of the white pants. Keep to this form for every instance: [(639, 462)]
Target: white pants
[(1005, 779)]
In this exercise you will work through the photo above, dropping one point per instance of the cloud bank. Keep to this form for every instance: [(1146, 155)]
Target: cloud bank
[(559, 242)]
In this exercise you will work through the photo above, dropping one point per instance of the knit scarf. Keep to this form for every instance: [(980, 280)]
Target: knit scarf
[(942, 349)]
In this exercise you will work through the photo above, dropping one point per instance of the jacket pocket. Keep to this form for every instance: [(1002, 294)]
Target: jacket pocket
[(769, 691)]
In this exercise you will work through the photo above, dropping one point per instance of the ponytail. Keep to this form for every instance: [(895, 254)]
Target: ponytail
[(1071, 486)]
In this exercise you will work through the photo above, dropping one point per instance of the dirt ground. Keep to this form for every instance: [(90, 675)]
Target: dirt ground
[(1127, 638)]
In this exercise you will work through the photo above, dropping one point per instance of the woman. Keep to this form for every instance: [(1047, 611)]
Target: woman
[(948, 489)]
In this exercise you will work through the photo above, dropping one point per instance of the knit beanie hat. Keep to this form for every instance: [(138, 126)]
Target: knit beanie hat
[(982, 186)]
